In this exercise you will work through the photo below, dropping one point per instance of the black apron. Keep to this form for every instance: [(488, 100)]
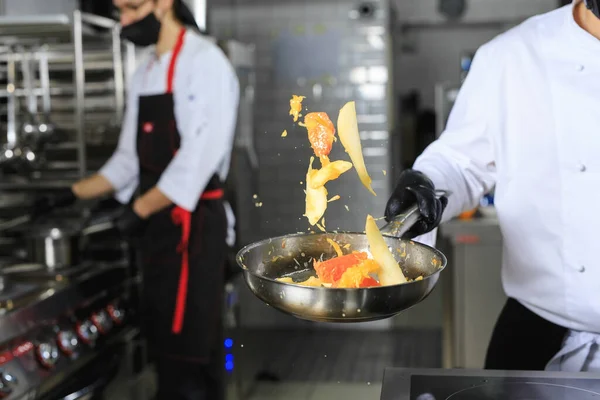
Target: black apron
[(182, 253)]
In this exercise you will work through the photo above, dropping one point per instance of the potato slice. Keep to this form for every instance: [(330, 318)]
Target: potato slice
[(316, 199), (329, 172), (347, 125), (391, 273)]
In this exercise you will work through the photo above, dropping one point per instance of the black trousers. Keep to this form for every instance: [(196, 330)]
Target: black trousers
[(522, 340)]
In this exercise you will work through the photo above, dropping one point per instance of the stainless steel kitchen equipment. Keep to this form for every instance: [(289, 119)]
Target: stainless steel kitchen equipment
[(465, 384), (87, 66), (472, 289), (64, 334), (291, 255), (55, 247), (58, 246), (63, 331)]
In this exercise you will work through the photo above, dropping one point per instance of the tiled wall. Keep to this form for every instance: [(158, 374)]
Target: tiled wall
[(320, 50), (317, 50)]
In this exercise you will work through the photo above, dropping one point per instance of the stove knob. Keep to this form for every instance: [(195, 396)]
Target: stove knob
[(87, 332), (116, 314), (7, 384), (67, 342), (47, 354), (102, 321)]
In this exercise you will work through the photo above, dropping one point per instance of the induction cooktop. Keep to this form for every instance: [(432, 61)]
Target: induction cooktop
[(458, 384)]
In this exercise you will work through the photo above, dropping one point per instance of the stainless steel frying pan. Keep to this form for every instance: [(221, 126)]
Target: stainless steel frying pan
[(292, 256)]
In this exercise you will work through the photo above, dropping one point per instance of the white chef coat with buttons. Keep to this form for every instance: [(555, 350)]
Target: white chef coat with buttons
[(206, 96), (527, 121)]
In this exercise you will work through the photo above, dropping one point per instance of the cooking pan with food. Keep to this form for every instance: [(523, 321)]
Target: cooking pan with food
[(265, 263)]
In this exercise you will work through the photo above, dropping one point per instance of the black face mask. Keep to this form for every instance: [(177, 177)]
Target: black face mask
[(143, 32), (594, 6)]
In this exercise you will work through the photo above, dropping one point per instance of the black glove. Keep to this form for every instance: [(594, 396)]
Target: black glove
[(415, 188), (48, 203), (129, 223)]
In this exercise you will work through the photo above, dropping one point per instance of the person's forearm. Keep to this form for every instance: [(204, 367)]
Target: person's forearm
[(151, 202), (92, 187)]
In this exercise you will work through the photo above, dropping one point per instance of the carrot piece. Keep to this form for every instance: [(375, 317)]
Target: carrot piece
[(332, 270), (321, 132)]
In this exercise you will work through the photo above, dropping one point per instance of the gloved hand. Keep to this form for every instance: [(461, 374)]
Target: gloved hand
[(415, 188), (129, 223), (48, 203)]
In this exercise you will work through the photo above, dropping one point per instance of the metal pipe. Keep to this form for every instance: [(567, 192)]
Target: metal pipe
[(97, 20), (79, 89), (11, 131), (45, 79), (118, 71), (199, 9), (28, 81)]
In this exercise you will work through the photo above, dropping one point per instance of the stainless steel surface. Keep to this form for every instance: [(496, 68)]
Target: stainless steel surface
[(37, 329), (15, 222), (428, 384), (78, 53), (292, 256), (79, 94), (119, 83), (46, 127), (54, 248), (328, 304), (11, 128), (97, 228), (472, 289), (199, 10)]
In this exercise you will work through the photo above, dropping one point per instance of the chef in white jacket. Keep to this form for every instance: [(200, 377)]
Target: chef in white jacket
[(174, 148), (527, 122)]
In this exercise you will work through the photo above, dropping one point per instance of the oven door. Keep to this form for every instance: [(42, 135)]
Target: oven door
[(89, 382)]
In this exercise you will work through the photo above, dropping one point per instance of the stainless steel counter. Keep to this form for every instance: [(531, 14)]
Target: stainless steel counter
[(431, 384), (472, 290)]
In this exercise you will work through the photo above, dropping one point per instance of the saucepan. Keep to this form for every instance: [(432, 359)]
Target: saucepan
[(291, 256)]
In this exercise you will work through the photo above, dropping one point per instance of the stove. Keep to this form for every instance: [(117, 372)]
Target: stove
[(62, 333), (456, 384)]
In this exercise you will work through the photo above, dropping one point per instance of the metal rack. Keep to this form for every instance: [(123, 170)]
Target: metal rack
[(89, 67)]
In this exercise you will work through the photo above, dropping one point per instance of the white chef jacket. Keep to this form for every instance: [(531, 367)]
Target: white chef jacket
[(206, 96), (526, 121)]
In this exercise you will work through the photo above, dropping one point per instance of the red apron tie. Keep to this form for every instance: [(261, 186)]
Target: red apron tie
[(182, 217)]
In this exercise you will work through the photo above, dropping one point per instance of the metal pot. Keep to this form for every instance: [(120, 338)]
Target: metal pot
[(57, 247), (54, 247)]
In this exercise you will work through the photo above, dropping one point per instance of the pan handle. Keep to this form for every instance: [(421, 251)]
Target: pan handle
[(401, 223)]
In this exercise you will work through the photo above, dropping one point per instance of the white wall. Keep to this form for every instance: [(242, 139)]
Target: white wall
[(427, 50)]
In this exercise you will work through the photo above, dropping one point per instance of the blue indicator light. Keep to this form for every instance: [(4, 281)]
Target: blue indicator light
[(228, 343), (229, 357), (229, 365)]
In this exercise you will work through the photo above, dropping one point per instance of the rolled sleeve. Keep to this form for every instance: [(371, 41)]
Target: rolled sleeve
[(122, 169), (206, 120)]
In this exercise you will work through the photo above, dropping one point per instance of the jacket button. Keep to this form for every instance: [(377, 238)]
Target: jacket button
[(581, 269), (582, 168), (580, 68)]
